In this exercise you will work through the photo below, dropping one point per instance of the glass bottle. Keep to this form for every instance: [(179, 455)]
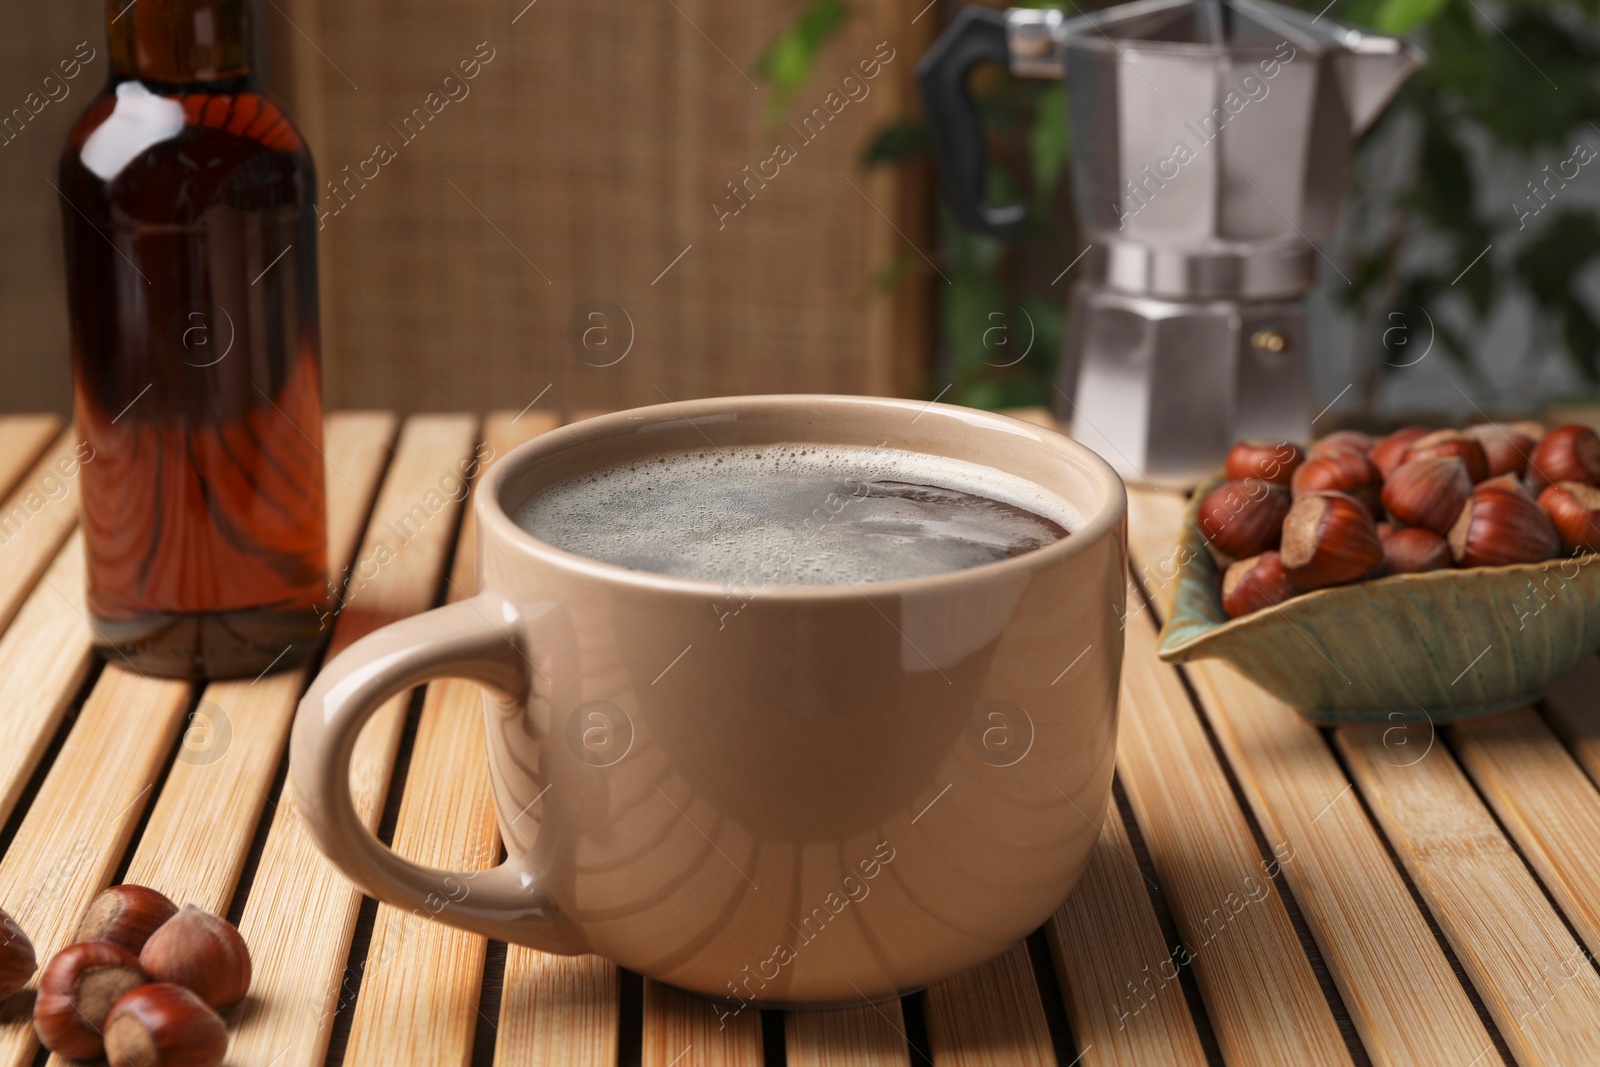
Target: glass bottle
[(189, 218)]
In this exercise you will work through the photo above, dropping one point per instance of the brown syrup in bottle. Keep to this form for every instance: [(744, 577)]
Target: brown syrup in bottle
[(191, 263)]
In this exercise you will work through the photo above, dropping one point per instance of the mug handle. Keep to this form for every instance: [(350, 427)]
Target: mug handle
[(460, 640)]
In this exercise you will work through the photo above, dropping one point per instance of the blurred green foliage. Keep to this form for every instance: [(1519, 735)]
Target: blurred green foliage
[(788, 61), (1509, 86), (1517, 94)]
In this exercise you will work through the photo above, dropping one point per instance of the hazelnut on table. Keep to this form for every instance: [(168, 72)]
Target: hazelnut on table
[(1498, 526), (17, 958), (1329, 539), (1390, 451), (1574, 509), (1569, 453), (164, 1025), (202, 952), (126, 916), (1340, 471), (76, 993)]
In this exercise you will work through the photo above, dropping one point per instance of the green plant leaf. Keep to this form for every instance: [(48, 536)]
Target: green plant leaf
[(900, 141), (790, 59), (1559, 253), (1403, 16), (1552, 265), (889, 275), (1048, 143)]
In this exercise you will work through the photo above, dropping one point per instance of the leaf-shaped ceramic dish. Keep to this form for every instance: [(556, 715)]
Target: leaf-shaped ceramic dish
[(1443, 645)]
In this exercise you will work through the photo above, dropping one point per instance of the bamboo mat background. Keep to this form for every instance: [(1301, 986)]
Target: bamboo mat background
[(583, 160), (1263, 891)]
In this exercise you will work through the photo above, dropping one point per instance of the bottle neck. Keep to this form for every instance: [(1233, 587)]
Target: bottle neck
[(180, 41)]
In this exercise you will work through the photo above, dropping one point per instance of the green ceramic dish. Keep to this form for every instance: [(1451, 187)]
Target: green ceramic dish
[(1442, 645)]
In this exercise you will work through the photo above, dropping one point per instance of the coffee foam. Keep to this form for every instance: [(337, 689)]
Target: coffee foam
[(797, 514)]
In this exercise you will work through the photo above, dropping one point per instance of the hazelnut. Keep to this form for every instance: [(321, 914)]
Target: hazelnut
[(76, 991), (1414, 550), (1499, 526), (1354, 440), (164, 1025), (202, 952), (1340, 471), (1427, 492), (1452, 443), (1569, 453), (1328, 539), (17, 958), (1390, 451), (1267, 461), (1506, 447), (1512, 482), (1252, 584), (1574, 510), (126, 916), (1243, 518)]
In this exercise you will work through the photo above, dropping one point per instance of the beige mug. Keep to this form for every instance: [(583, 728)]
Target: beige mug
[(775, 796)]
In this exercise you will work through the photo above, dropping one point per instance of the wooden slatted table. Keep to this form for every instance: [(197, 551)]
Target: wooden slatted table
[(1263, 891)]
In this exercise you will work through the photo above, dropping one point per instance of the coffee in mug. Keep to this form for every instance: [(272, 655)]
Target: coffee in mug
[(798, 514)]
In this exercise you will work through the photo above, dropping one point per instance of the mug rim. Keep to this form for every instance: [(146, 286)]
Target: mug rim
[(1098, 525)]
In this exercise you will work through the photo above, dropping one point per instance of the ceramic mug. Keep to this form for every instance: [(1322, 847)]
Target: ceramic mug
[(781, 795)]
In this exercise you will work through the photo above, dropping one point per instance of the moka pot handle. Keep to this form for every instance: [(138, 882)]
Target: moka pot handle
[(955, 126)]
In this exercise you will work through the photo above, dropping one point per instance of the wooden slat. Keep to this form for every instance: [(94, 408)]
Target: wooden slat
[(200, 829), (1259, 989), (1155, 519), (422, 1004), (195, 844), (553, 1009), (35, 519), (72, 837), (1574, 712), (358, 442), (358, 445), (1534, 977), (301, 912), (1396, 982), (52, 641), (44, 657), (79, 823), (557, 1011), (682, 1029), (1546, 802), (22, 438), (873, 1035), (1106, 941), (1399, 992), (989, 1016)]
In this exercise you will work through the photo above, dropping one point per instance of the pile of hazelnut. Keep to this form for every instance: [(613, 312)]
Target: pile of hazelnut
[(1351, 507), (141, 984)]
